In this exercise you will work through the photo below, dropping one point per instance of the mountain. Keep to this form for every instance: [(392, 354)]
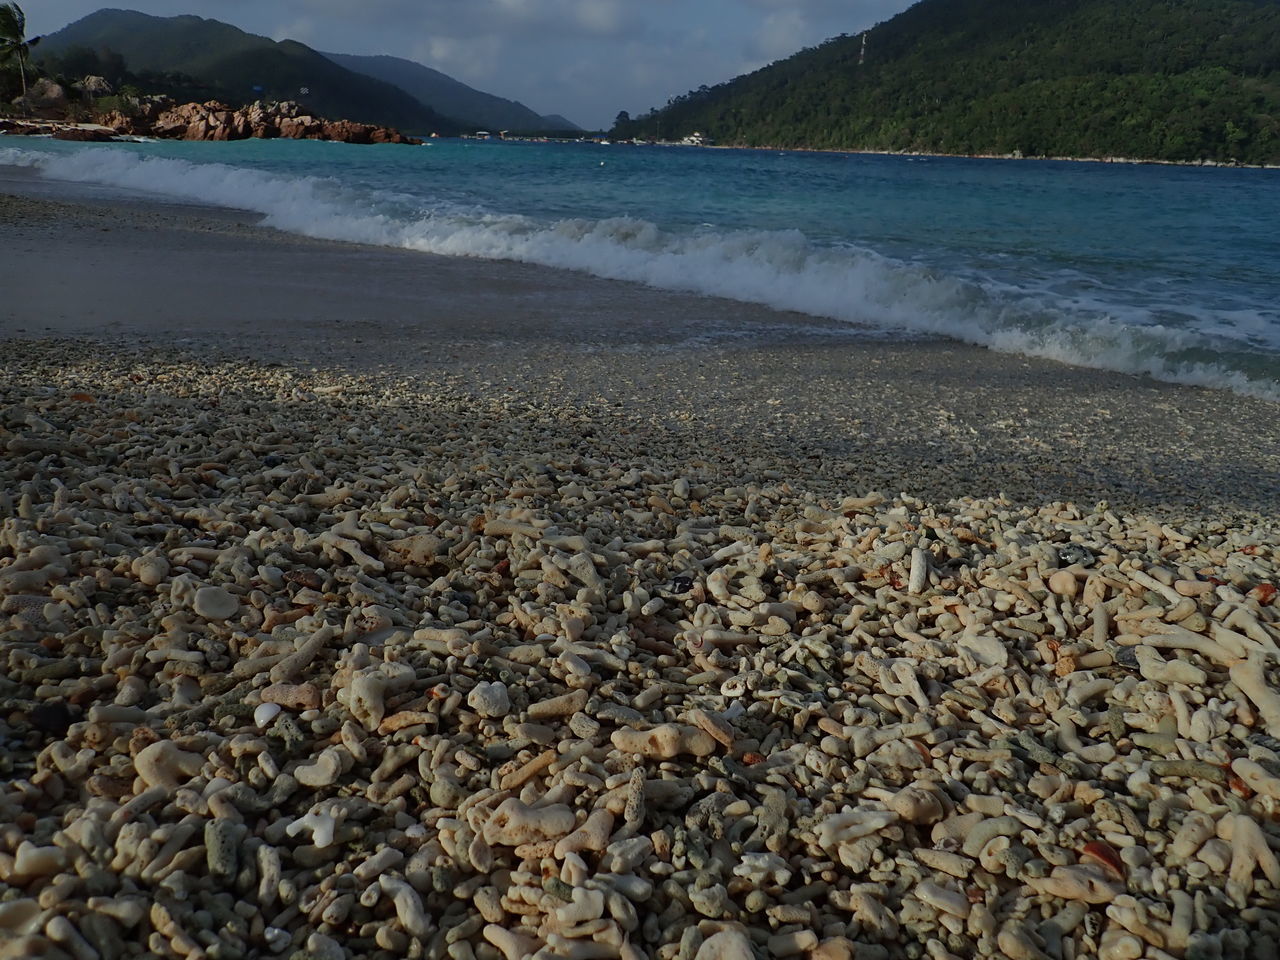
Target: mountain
[(557, 122), (449, 96), (244, 67), (1155, 79)]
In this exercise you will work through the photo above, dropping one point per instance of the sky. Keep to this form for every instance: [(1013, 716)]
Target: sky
[(585, 59)]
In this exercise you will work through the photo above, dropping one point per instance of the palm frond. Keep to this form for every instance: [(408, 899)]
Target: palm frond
[(13, 23)]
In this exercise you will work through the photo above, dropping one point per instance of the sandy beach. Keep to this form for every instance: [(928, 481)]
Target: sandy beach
[(357, 602)]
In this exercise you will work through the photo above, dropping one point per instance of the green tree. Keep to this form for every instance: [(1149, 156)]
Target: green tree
[(1167, 79), (13, 39), (79, 62)]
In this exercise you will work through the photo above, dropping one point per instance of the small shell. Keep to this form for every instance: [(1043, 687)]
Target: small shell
[(1105, 855), (264, 713)]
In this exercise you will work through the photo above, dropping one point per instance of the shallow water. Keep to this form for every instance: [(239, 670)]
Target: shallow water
[(1168, 271)]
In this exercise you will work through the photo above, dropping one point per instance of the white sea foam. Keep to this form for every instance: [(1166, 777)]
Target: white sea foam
[(781, 269)]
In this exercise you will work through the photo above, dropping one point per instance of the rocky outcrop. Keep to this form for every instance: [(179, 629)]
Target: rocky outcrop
[(83, 135), (142, 116), (46, 105), (91, 87), (57, 129), (200, 121), (157, 117)]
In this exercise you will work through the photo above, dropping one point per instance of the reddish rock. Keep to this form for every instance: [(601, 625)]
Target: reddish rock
[(300, 128), (346, 131), (117, 121), (83, 135), (260, 121), (391, 135), (216, 121), (194, 121)]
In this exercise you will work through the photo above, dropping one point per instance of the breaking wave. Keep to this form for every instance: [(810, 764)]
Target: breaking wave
[(781, 269)]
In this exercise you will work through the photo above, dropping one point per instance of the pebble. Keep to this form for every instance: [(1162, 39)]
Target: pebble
[(215, 603), (490, 699), (331, 669), (1064, 584)]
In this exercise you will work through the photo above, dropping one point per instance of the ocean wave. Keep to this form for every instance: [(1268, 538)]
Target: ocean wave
[(779, 268)]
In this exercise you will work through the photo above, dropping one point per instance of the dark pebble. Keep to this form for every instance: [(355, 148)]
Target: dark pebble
[(52, 718), (1126, 657)]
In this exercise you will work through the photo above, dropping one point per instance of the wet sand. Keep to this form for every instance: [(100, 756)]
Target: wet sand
[(934, 418)]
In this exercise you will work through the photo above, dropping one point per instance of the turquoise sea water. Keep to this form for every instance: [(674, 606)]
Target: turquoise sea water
[(1168, 271)]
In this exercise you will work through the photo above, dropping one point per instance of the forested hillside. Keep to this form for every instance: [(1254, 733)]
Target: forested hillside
[(449, 96), (241, 67), (1158, 79)]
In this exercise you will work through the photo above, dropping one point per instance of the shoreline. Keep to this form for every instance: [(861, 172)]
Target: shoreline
[(1131, 161), (1126, 161), (1073, 330), (933, 417)]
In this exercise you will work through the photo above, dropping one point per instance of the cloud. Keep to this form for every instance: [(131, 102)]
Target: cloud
[(586, 59), (302, 29), (600, 16), (469, 59), (781, 34)]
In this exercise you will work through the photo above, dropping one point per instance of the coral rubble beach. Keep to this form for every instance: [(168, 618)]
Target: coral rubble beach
[(437, 644)]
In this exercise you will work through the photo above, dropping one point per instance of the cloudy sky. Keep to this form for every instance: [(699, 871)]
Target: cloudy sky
[(586, 59)]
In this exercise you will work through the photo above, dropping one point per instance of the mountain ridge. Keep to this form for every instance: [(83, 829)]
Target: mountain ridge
[(447, 95), (246, 67)]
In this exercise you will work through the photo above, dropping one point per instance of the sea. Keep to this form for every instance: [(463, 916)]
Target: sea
[(1172, 272)]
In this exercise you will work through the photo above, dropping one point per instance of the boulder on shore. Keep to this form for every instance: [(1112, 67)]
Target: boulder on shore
[(45, 100), (91, 87), (84, 135)]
